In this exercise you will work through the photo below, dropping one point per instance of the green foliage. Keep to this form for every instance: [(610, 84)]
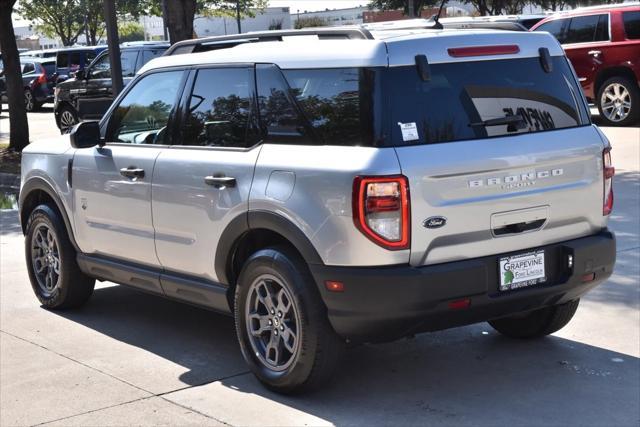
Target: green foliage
[(310, 22), (130, 31), (418, 5)]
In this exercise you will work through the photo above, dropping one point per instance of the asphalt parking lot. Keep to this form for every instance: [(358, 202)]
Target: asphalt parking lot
[(128, 358)]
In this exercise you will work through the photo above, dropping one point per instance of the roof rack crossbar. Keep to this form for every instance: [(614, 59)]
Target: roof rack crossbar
[(355, 33)]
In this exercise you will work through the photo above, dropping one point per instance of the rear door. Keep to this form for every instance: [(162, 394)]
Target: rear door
[(112, 184), (479, 189), (202, 183)]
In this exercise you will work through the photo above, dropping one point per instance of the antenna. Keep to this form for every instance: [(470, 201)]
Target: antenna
[(436, 18)]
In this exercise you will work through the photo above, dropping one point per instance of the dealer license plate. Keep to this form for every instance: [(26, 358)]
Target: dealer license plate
[(522, 270)]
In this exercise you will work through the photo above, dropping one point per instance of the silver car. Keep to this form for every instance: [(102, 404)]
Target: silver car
[(345, 186)]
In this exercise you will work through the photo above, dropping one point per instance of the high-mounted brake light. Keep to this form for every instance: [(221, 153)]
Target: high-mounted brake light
[(461, 52), (381, 210), (608, 171)]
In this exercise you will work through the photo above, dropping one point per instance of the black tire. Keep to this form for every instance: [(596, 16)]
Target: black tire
[(66, 114), (72, 287), (608, 113), (318, 347), (538, 323)]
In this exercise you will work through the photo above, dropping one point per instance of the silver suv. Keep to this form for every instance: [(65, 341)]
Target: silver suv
[(345, 186)]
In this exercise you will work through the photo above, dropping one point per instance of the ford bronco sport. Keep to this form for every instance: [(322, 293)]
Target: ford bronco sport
[(356, 185)]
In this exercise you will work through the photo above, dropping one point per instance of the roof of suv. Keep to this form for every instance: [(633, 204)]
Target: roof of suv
[(385, 47)]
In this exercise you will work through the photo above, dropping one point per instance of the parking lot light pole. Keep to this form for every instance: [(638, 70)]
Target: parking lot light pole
[(114, 46)]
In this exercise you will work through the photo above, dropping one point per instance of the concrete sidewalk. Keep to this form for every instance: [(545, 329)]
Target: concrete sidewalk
[(128, 358)]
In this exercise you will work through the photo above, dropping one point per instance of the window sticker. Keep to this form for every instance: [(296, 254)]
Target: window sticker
[(409, 131)]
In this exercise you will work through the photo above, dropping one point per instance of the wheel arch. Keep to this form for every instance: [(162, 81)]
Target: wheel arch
[(251, 232), (607, 73), (37, 191)]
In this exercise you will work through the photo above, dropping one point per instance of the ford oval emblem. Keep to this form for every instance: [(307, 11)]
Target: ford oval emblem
[(435, 222)]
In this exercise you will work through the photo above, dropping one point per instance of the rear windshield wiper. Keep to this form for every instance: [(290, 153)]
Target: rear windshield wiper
[(514, 122)]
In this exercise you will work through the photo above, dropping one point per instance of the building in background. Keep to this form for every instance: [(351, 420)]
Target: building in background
[(331, 17), (270, 18)]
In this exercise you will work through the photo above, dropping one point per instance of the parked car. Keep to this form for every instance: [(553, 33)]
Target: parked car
[(360, 186), (89, 94), (38, 78), (603, 44), (74, 59)]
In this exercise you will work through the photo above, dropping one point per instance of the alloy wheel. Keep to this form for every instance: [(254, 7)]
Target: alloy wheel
[(616, 102), (28, 100), (272, 322), (45, 259), (67, 121)]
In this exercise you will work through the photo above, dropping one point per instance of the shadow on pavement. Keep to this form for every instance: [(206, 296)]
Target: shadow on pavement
[(460, 376)]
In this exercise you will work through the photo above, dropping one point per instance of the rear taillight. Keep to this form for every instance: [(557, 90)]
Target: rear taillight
[(463, 52), (381, 210), (40, 80), (607, 175)]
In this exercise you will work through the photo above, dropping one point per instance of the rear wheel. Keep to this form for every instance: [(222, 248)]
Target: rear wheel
[(55, 276), (618, 101), (282, 325), (30, 102), (538, 323), (67, 119)]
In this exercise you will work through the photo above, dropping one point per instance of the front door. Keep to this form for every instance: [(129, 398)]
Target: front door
[(112, 184), (203, 183)]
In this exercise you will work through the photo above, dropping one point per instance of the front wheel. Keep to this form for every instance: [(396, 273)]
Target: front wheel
[(55, 276), (282, 324), (537, 323), (67, 119), (618, 101)]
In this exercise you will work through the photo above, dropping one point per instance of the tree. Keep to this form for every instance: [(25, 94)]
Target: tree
[(237, 8), (412, 8), (130, 31), (64, 19), (19, 134)]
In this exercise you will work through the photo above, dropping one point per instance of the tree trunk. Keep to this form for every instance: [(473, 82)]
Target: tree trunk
[(19, 134), (238, 18), (180, 14)]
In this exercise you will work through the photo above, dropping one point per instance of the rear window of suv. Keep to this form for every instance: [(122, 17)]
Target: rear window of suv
[(631, 24), (459, 99)]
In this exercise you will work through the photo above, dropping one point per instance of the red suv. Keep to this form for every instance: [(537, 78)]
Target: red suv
[(603, 44)]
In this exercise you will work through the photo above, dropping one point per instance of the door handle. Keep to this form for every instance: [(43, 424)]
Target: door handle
[(595, 52), (220, 181), (132, 172)]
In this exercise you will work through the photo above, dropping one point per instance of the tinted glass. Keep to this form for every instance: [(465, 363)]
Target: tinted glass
[(555, 28), (62, 60), (143, 114), (28, 68), (220, 109), (632, 24), (602, 31), (582, 29), (279, 118), (148, 55), (336, 102), (461, 96), (75, 60), (128, 59), (101, 69), (91, 55)]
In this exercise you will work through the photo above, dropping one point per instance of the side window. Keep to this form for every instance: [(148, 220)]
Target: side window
[(602, 31), (101, 69), (631, 25), (554, 27), (63, 60), (128, 59), (331, 100), (582, 29), (142, 115), (74, 61), (220, 107), (280, 120), (28, 68), (90, 56), (148, 55)]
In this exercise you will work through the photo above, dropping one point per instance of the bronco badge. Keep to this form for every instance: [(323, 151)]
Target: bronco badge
[(434, 222)]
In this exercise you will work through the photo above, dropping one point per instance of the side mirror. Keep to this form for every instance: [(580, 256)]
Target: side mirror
[(85, 135)]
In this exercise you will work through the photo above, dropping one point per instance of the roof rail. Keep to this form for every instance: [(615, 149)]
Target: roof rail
[(225, 42)]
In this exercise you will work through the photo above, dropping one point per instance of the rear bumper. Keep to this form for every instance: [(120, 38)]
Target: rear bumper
[(386, 303)]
